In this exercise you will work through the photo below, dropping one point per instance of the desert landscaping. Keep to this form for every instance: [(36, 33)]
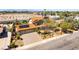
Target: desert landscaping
[(23, 29)]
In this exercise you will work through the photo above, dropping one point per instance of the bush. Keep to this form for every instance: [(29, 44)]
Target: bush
[(51, 23), (57, 29), (40, 22), (76, 24), (65, 26), (69, 31), (44, 32)]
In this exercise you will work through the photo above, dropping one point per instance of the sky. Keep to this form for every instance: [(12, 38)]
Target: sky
[(38, 5), (39, 9)]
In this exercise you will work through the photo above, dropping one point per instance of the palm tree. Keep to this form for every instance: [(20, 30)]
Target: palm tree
[(51, 13), (45, 12)]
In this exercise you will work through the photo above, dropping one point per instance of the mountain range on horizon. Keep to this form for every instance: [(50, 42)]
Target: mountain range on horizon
[(39, 9)]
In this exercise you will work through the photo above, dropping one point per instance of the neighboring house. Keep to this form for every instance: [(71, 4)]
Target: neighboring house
[(55, 17), (18, 16), (69, 18), (76, 18), (3, 32)]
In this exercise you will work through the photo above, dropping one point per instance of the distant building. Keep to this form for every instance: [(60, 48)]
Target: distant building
[(69, 18), (18, 16), (76, 18), (55, 17)]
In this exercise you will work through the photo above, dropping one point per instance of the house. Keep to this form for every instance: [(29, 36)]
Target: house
[(69, 18), (3, 32), (33, 23), (76, 18), (55, 17)]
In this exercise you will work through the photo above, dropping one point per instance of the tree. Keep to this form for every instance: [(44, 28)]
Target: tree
[(45, 12), (50, 23), (76, 23), (66, 25)]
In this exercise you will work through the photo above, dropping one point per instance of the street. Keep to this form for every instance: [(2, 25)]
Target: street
[(67, 42)]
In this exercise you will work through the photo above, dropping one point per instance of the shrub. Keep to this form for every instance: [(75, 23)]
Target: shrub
[(57, 29), (76, 23), (51, 23), (65, 26)]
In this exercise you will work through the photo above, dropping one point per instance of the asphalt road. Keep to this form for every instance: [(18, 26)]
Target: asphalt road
[(68, 42)]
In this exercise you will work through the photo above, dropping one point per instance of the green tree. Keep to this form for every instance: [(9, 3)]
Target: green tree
[(51, 23), (66, 25)]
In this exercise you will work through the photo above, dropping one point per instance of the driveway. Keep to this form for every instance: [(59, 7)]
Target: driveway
[(31, 38)]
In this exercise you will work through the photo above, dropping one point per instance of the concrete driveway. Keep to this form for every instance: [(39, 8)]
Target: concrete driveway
[(30, 38)]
